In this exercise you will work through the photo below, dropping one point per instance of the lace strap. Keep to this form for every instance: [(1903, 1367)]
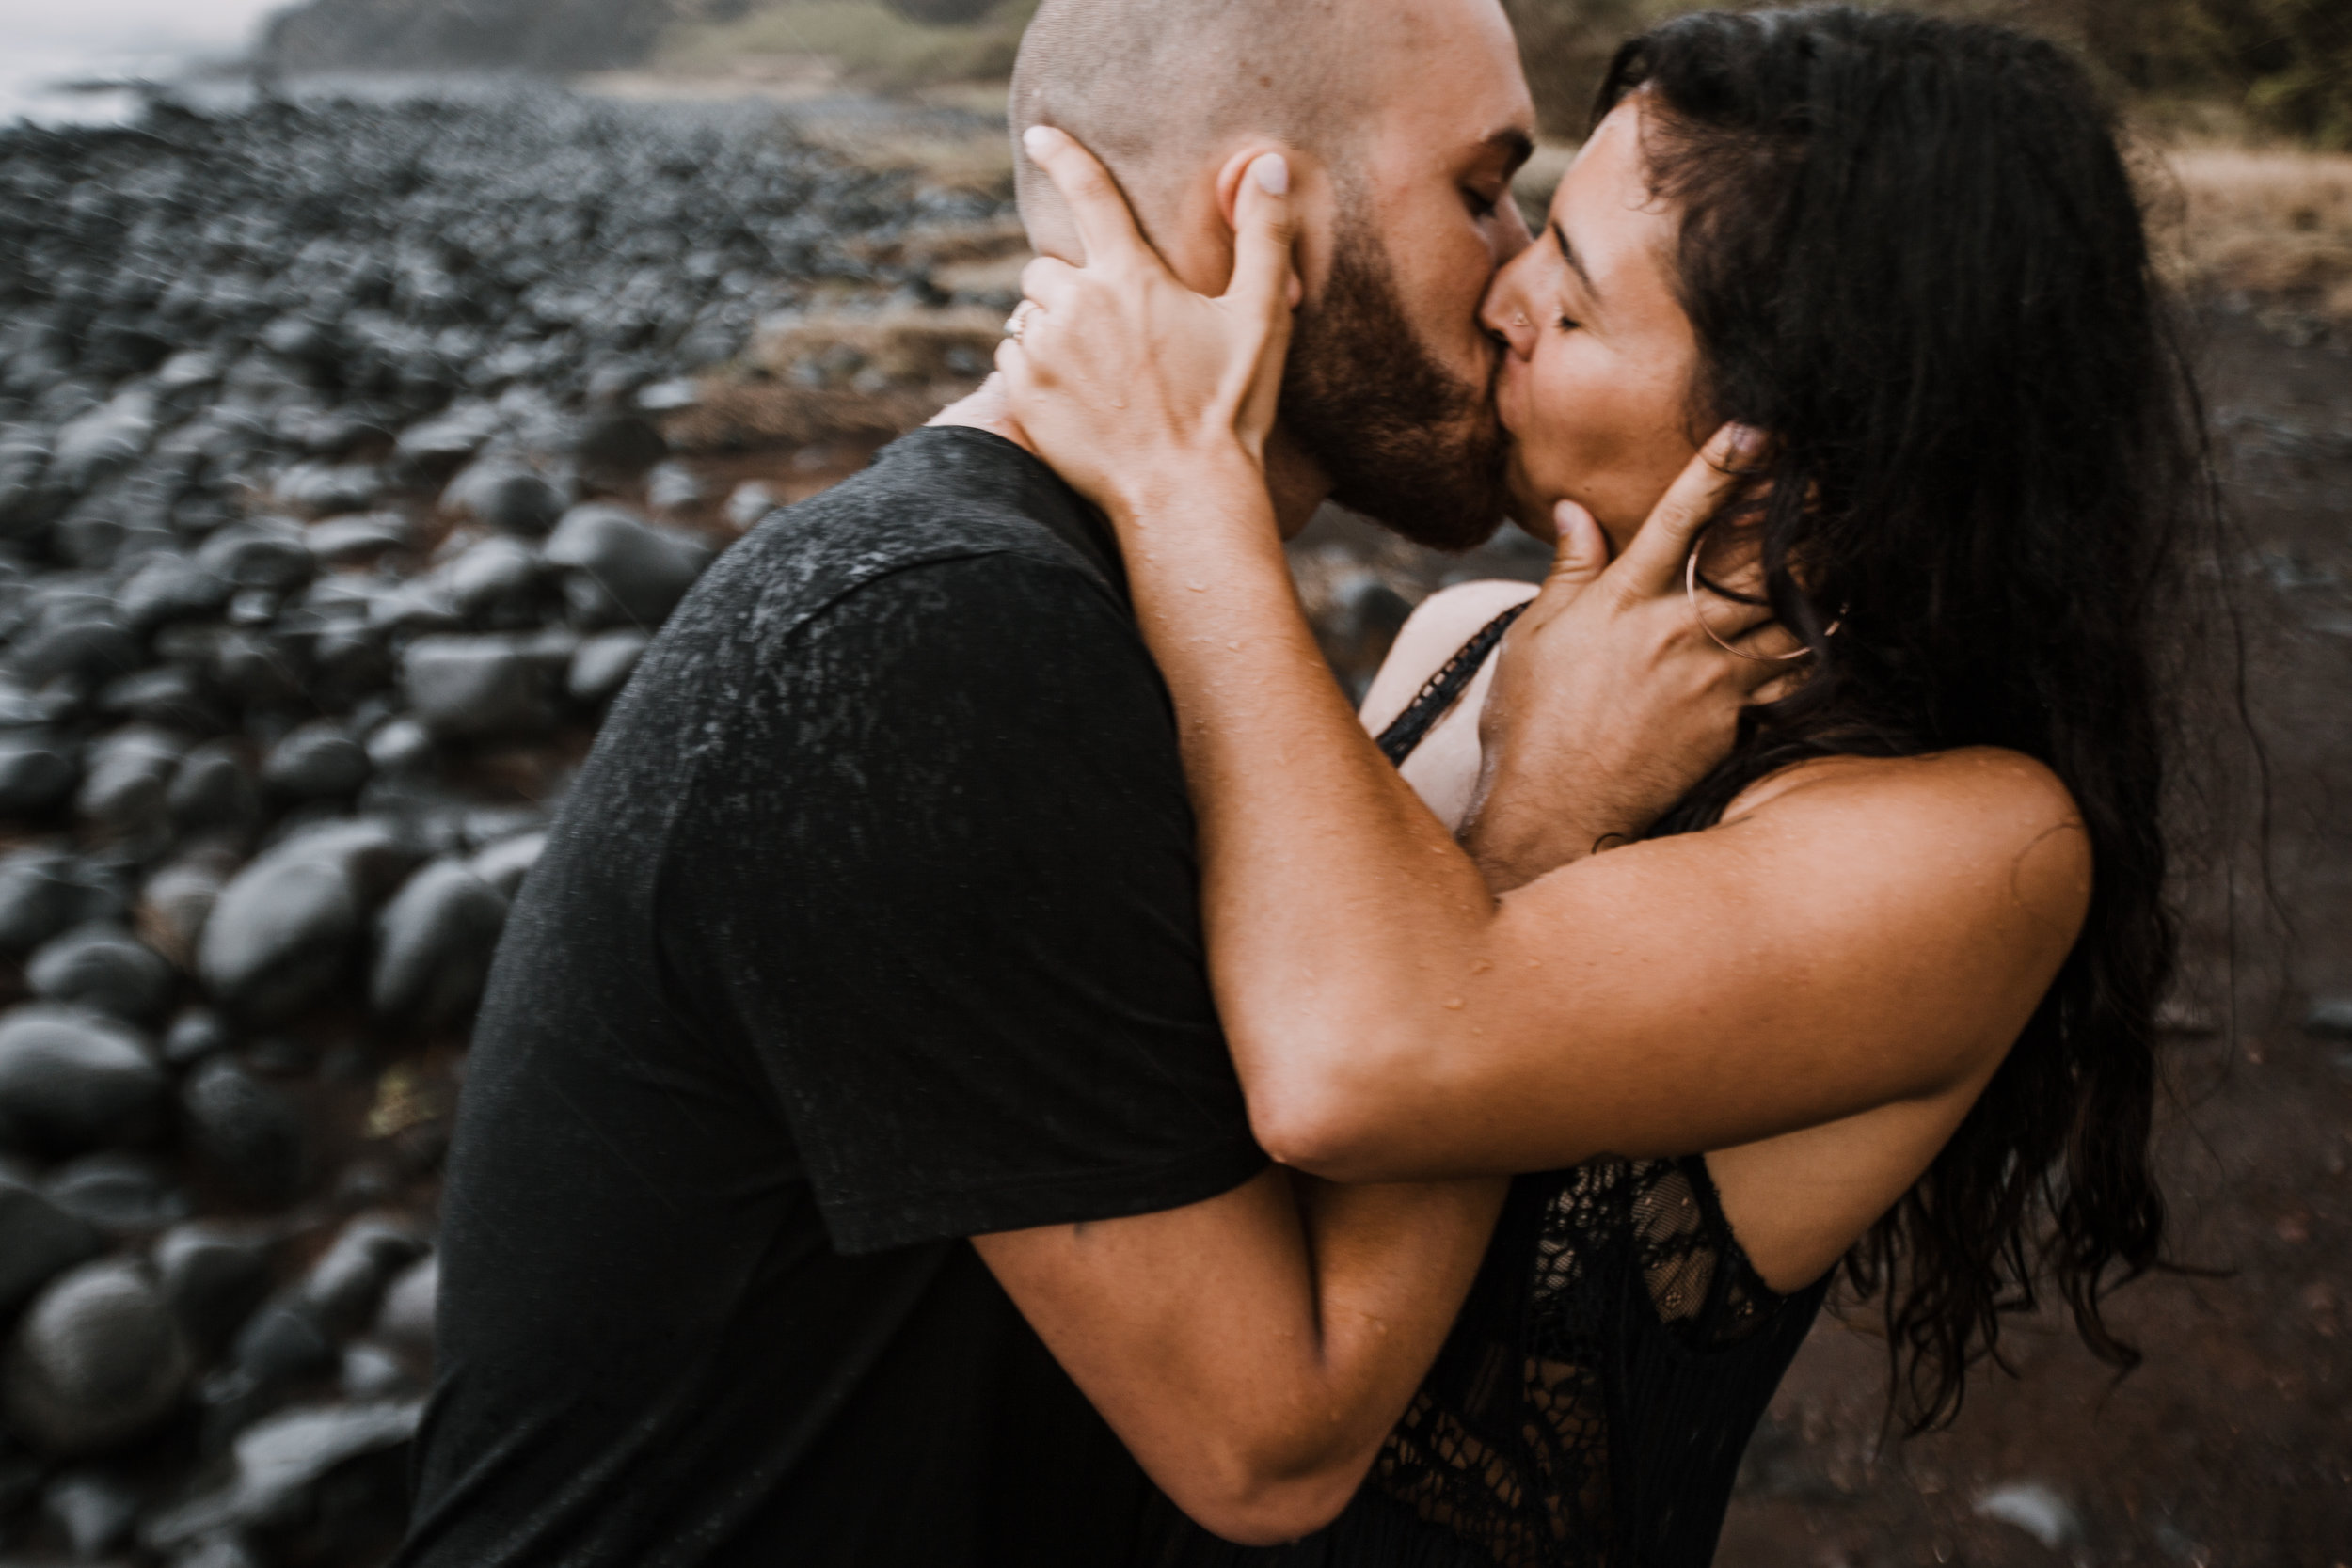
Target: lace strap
[(1441, 692)]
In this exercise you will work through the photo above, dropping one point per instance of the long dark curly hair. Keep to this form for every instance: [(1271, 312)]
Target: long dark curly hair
[(1913, 253)]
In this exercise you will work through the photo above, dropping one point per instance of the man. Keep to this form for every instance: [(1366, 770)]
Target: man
[(852, 1043)]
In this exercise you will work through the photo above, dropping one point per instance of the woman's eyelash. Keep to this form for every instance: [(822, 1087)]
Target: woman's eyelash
[(1568, 324)]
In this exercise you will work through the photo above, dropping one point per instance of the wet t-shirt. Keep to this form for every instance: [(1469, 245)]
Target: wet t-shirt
[(869, 926)]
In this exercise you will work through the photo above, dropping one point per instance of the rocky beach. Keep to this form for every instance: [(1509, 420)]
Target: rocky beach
[(351, 451)]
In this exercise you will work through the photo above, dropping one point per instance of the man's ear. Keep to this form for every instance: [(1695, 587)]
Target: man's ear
[(1309, 196)]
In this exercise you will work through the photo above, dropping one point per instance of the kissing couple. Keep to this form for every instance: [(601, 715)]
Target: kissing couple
[(1000, 1065)]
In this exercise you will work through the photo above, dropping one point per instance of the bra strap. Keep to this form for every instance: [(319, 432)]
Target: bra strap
[(1441, 692)]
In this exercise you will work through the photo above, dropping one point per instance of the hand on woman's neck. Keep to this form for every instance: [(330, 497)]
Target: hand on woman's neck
[(1295, 481)]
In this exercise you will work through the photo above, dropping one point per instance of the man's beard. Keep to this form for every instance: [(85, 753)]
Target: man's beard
[(1404, 441)]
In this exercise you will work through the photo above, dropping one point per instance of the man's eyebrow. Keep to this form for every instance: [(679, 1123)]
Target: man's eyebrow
[(1576, 262)]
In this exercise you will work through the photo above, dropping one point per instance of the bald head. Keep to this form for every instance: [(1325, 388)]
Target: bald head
[(1159, 89)]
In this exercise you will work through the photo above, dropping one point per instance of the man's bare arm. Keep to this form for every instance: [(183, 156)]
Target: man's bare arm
[(1253, 1350)]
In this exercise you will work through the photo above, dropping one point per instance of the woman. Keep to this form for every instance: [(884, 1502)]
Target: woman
[(1877, 985)]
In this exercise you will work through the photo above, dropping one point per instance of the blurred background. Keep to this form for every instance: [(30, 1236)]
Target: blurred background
[(376, 374)]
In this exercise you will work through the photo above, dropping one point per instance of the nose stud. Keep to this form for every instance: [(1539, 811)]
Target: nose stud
[(1520, 321)]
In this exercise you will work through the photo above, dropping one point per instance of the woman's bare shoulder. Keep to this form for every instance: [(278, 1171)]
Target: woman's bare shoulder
[(1436, 629), (1945, 811)]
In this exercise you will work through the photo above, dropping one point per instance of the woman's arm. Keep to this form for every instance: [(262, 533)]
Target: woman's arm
[(1853, 935)]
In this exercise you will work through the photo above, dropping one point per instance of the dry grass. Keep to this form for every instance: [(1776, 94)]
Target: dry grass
[(871, 44), (2274, 224)]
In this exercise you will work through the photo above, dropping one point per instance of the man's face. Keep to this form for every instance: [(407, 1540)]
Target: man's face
[(1389, 382)]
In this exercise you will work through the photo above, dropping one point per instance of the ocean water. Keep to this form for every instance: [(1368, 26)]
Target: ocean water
[(51, 50)]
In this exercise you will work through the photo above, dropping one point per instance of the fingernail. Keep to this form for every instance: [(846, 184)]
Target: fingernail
[(1274, 174), (1746, 440), (1036, 139)]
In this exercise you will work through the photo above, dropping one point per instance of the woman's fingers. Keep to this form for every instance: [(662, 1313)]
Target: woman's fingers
[(1106, 225), (1261, 284), (1653, 564)]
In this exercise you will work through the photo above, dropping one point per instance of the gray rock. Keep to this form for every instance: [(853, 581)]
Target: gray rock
[(603, 665), (216, 1551), (283, 1342), (434, 942), (747, 502), (107, 440), (268, 554), (129, 779), (97, 1361), (508, 496), (39, 1241), (37, 771), (43, 892), (92, 1510), (283, 930), (2035, 1507), (671, 486), (472, 687), (169, 587), (171, 696), (2331, 1019), (213, 1275), (195, 1035), (120, 1194), (372, 1372), (178, 898), (620, 568), (72, 1081), (103, 967), (505, 863), (344, 1287), (362, 536), (323, 489), (247, 1133), (450, 436), (316, 761), (497, 576), (280, 1462), (410, 1302), (401, 746), (213, 789), (90, 649)]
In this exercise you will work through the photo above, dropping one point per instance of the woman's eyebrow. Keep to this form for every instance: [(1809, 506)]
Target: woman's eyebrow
[(1576, 262)]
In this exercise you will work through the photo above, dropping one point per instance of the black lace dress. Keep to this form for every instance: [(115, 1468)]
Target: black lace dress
[(1592, 1403)]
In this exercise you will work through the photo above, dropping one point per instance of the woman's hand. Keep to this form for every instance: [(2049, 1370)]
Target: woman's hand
[(1135, 388), (1611, 699)]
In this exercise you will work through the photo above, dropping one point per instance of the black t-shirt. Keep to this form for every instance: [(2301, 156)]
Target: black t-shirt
[(870, 925)]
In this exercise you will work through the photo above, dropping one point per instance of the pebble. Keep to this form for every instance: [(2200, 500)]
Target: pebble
[(103, 967), (434, 942), (474, 687), (672, 486), (36, 772), (502, 493), (2331, 1019), (2034, 1507), (214, 1275), (619, 567), (212, 788), (178, 898), (129, 779), (504, 864), (316, 761), (603, 665), (283, 930), (747, 502), (495, 581), (119, 1194), (94, 1511), (278, 1462), (410, 1301), (37, 1242), (96, 1361), (196, 1033), (347, 1284), (43, 892), (247, 1133), (71, 1080)]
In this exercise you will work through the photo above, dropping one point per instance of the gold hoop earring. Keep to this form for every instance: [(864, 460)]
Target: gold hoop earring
[(1691, 593)]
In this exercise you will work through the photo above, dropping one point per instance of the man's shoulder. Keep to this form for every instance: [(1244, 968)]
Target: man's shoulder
[(939, 497)]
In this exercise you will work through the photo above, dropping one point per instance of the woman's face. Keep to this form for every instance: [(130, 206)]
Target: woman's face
[(1595, 388)]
